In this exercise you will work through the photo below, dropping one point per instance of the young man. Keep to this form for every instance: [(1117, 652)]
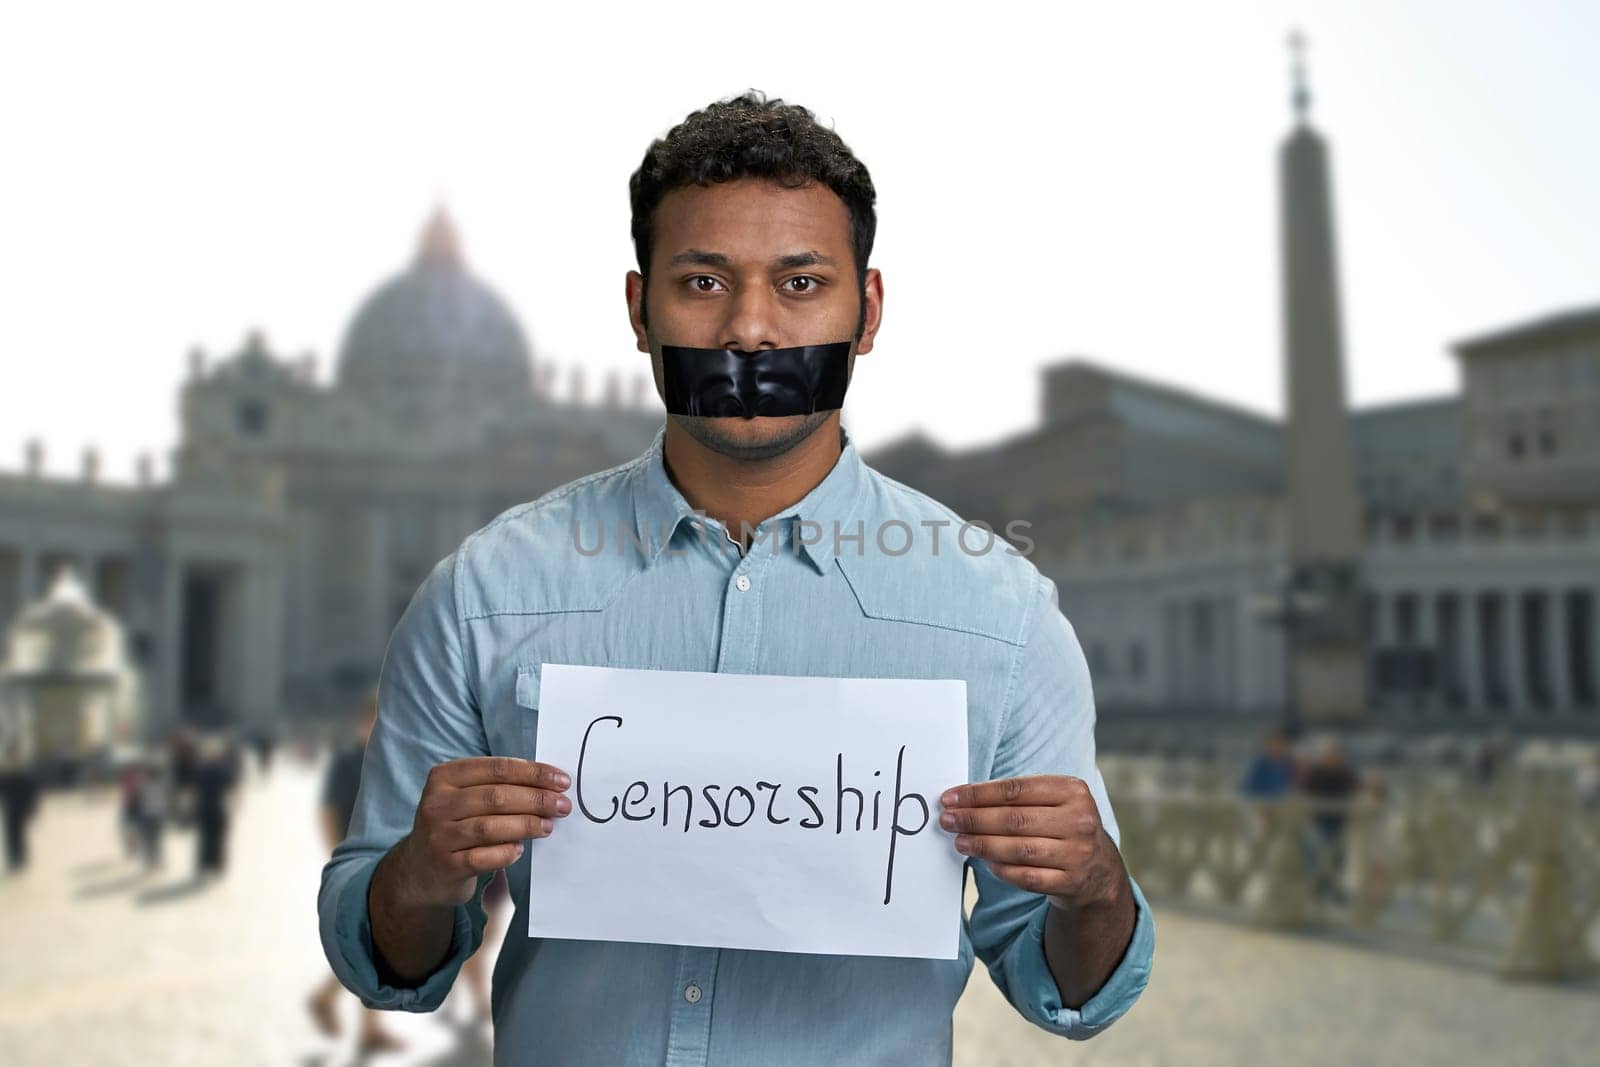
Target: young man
[(753, 226)]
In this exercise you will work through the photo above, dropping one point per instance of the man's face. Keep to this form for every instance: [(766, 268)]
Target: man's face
[(749, 264)]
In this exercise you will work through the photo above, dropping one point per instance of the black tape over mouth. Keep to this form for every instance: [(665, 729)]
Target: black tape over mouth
[(722, 383)]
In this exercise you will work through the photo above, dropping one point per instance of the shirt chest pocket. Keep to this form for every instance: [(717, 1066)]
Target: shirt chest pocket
[(525, 709)]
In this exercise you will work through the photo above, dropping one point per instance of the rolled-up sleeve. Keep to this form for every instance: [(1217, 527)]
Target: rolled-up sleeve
[(427, 714), (1048, 728)]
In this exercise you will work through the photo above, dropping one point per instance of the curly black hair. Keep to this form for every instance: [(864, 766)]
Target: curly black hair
[(750, 136)]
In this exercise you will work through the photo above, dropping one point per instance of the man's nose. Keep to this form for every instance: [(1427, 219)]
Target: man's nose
[(752, 322)]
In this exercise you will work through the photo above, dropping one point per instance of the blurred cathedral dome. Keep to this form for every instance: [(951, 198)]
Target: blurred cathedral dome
[(435, 337)]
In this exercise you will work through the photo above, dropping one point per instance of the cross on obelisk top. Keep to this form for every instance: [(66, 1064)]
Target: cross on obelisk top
[(1301, 96)]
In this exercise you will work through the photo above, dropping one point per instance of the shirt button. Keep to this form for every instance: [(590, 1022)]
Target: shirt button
[(742, 583), (692, 993)]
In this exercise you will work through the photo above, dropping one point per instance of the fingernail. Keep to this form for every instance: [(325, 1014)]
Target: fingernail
[(519, 851), (563, 805), (948, 820), (562, 779), (546, 825), (949, 798), (962, 842)]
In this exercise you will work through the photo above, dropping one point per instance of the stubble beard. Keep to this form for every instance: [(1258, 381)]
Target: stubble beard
[(785, 433)]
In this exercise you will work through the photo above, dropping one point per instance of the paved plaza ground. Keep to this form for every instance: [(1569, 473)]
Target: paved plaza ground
[(100, 964)]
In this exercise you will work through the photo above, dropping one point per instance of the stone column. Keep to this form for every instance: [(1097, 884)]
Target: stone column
[(1274, 644), (377, 586), (1594, 647), (1470, 643), (1557, 656), (1172, 653), (167, 700), (1202, 653), (88, 564), (1514, 651), (1228, 650), (264, 632), (29, 583), (231, 582), (1428, 641), (1384, 607)]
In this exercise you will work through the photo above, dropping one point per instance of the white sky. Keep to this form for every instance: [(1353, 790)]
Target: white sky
[(1054, 179)]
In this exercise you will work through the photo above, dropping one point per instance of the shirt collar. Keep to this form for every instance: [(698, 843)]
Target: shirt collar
[(659, 508)]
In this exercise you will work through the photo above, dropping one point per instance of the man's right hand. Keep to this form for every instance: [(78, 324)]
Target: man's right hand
[(472, 818)]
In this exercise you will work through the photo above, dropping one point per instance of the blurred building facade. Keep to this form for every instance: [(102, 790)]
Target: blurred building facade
[(1428, 566), (264, 576)]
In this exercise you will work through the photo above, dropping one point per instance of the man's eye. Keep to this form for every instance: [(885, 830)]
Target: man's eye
[(802, 284), (704, 283)]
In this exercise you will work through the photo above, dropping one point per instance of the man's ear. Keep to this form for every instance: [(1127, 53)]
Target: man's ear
[(872, 293), (635, 293)]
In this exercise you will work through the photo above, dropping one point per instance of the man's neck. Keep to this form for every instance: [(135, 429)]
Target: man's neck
[(736, 492)]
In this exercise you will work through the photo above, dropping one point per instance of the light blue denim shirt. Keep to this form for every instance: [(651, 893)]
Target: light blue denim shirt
[(864, 577)]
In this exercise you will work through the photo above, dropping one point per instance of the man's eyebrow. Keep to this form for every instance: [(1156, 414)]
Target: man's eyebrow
[(700, 258), (812, 258), (696, 257)]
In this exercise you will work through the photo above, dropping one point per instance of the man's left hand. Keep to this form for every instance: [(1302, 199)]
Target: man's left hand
[(1041, 833)]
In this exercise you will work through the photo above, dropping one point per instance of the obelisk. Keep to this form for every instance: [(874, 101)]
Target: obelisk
[(1327, 668)]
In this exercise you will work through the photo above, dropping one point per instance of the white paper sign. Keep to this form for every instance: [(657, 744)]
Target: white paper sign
[(751, 811)]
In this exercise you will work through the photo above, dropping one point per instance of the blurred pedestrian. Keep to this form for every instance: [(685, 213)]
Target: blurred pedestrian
[(128, 807), (1331, 784), (19, 794), (340, 784), (216, 772), (1586, 781), (184, 762), (1491, 758), (1272, 771), (19, 789), (155, 802), (1375, 838), (264, 742)]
